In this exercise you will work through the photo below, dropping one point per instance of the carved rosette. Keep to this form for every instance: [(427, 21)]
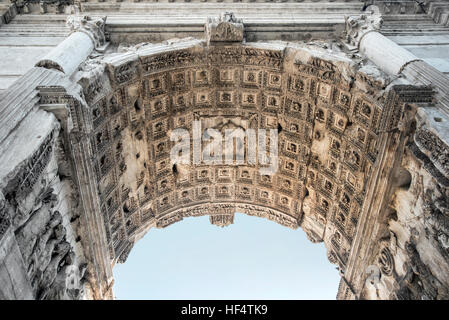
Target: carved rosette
[(93, 27), (385, 261), (357, 26), (226, 28)]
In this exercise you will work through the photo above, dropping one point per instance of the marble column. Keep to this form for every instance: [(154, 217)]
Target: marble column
[(87, 34), (385, 53), (362, 34)]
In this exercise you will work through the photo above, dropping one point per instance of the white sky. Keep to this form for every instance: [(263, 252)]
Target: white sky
[(252, 259)]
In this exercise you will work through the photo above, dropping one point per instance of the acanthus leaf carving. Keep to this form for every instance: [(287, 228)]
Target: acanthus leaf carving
[(357, 26), (93, 27)]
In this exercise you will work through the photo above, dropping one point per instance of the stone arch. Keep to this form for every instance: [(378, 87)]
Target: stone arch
[(321, 103), (347, 133)]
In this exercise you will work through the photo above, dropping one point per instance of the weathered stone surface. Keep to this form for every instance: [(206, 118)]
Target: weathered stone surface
[(363, 151), (86, 34), (227, 28), (39, 211)]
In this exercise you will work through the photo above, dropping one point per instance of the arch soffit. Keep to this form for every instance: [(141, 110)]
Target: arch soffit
[(328, 105)]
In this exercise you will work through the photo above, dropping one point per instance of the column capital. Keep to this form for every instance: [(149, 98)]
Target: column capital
[(92, 27), (226, 28), (358, 26)]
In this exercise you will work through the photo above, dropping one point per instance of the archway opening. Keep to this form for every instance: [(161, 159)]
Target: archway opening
[(250, 259)]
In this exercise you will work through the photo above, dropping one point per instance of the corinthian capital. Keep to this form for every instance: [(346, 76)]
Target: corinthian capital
[(226, 28), (357, 26), (93, 27)]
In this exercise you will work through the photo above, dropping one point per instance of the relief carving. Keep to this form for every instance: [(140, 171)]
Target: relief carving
[(418, 282), (329, 138), (358, 26), (222, 220), (4, 216), (226, 28)]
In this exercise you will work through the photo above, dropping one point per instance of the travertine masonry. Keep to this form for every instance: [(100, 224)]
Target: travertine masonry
[(363, 141)]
